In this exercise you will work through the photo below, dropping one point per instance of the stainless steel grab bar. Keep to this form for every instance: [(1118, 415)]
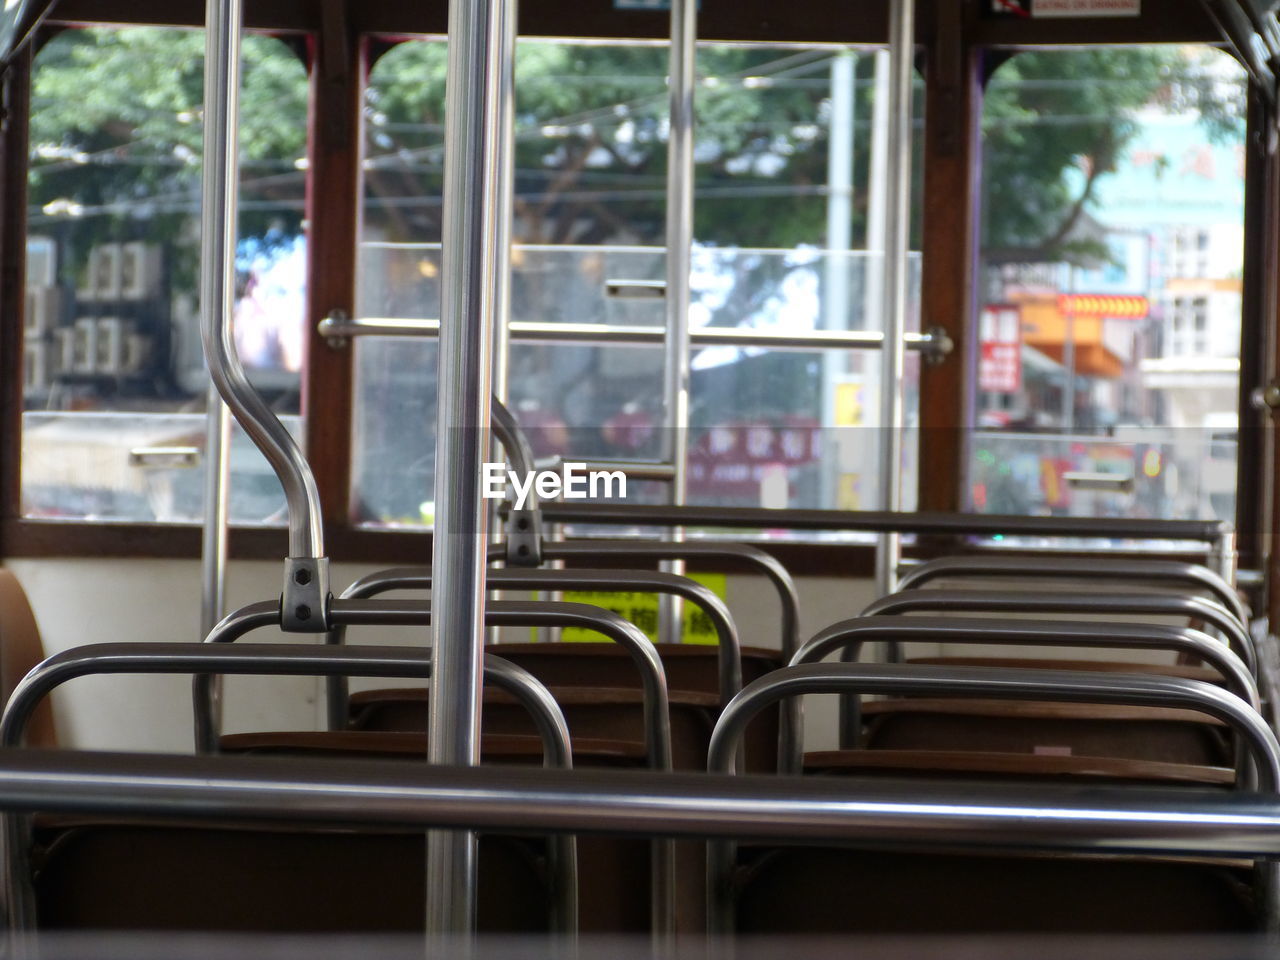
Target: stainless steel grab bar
[(1112, 568), (609, 581), (934, 344), (523, 541), (500, 613), (278, 660), (1012, 684), (848, 636), (1056, 602), (634, 551), (475, 267), (306, 576), (1002, 601), (1032, 817)]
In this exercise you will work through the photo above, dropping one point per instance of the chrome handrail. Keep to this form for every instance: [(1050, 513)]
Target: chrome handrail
[(632, 551), (1111, 568), (1061, 602), (607, 581), (305, 591), (274, 660), (848, 636), (969, 682), (498, 613)]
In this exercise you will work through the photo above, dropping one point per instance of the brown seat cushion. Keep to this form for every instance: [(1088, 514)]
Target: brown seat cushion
[(1011, 766), (1094, 730), (108, 875), (829, 891)]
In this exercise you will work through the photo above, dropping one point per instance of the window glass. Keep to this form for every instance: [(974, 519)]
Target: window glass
[(114, 381), (787, 241), (1112, 250)]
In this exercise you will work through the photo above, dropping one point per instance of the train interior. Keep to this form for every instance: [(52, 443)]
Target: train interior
[(655, 478)]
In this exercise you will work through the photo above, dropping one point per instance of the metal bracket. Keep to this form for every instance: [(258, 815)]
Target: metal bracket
[(335, 341), (304, 603), (1267, 398), (524, 538), (936, 346)]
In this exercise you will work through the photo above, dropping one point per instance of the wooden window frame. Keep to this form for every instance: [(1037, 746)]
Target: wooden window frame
[(338, 35)]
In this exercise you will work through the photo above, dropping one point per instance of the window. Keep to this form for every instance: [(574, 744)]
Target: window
[(114, 384), (785, 242), (1113, 227)]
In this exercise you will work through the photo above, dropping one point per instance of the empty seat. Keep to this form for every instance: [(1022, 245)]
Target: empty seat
[(121, 875), (830, 891)]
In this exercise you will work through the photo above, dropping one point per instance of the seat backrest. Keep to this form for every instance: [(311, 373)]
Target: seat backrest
[(20, 650)]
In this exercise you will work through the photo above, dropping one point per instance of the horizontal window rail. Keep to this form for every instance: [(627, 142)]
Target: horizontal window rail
[(1209, 532), (338, 329)]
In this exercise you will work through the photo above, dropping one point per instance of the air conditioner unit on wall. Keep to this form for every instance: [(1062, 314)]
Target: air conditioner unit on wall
[(140, 269)]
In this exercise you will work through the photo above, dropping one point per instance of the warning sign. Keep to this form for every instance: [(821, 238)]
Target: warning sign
[(642, 610), (1000, 343), (1086, 8)]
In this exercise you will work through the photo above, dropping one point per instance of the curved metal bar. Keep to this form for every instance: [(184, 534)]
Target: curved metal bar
[(275, 660), (498, 613), (608, 581), (791, 717), (850, 635), (1006, 601), (1113, 568), (217, 282), (1055, 685), (1000, 683), (523, 542), (514, 443)]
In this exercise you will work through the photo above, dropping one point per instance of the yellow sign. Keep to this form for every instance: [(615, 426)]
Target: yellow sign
[(849, 404), (642, 610)]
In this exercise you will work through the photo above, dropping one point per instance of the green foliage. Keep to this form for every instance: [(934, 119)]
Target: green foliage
[(1055, 122), (592, 141), (116, 130)]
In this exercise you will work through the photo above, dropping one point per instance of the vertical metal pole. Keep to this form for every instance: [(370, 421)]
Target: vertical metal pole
[(217, 477), (835, 287), (502, 249), (897, 186), (219, 198), (681, 79), (478, 86), (213, 543), (1069, 359)]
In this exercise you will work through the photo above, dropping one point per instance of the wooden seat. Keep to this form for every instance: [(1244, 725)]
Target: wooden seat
[(815, 890), (613, 887), (601, 713), (494, 748), (1186, 671), (606, 670), (982, 765), (1094, 730), (688, 666), (130, 875), (20, 650)]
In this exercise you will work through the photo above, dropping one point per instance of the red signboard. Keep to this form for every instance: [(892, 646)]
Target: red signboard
[(1000, 349), (1103, 305)]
